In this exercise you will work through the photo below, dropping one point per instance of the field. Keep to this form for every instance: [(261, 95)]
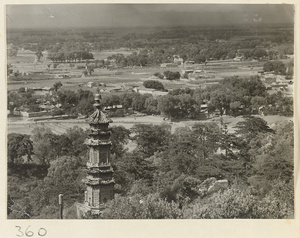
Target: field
[(37, 74)]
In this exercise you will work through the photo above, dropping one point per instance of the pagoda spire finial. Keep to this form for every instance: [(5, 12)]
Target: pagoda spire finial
[(97, 101)]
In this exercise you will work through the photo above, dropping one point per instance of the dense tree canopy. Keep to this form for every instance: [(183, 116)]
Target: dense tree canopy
[(172, 75), (151, 138), (18, 145), (154, 84), (277, 66), (166, 169), (252, 126), (119, 137)]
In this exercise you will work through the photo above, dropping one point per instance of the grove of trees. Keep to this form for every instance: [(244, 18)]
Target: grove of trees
[(157, 46), (275, 66), (161, 177), (232, 96)]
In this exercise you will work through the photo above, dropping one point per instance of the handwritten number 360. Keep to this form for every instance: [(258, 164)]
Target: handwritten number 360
[(41, 232)]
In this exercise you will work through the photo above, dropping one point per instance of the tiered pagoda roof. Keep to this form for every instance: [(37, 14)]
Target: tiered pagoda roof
[(98, 117)]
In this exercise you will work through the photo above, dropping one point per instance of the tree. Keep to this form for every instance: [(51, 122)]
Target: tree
[(285, 107), (18, 145), (21, 90), (21, 209), (151, 138), (158, 75), (45, 144), (232, 203), (14, 100), (278, 203), (154, 84), (135, 165), (186, 106), (172, 75), (184, 158), (168, 106), (227, 141), (64, 146), (251, 131), (39, 55), (251, 126), (9, 69), (141, 186), (13, 51), (119, 137), (64, 176), (220, 99), (141, 207), (257, 102), (183, 189), (234, 107), (274, 157), (90, 69), (184, 154), (68, 99), (151, 106), (57, 85), (233, 95), (85, 102), (114, 99), (277, 66), (290, 70), (77, 136), (206, 134), (138, 102)]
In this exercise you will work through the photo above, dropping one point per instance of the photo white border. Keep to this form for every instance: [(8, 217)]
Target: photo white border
[(148, 228)]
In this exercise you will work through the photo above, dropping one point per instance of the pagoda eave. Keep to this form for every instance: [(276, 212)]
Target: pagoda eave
[(98, 182), (100, 171), (90, 142), (99, 132)]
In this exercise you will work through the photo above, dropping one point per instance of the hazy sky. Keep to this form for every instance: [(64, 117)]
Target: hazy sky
[(118, 15)]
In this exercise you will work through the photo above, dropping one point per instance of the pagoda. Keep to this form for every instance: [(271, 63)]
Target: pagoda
[(99, 180)]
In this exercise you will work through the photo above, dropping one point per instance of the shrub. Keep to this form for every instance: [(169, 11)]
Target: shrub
[(159, 75), (80, 67), (232, 203), (172, 75), (21, 90), (154, 84), (142, 207)]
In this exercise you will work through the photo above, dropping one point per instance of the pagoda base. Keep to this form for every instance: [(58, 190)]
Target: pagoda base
[(82, 210)]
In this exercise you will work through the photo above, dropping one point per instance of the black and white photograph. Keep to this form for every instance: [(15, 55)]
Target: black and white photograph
[(150, 111)]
